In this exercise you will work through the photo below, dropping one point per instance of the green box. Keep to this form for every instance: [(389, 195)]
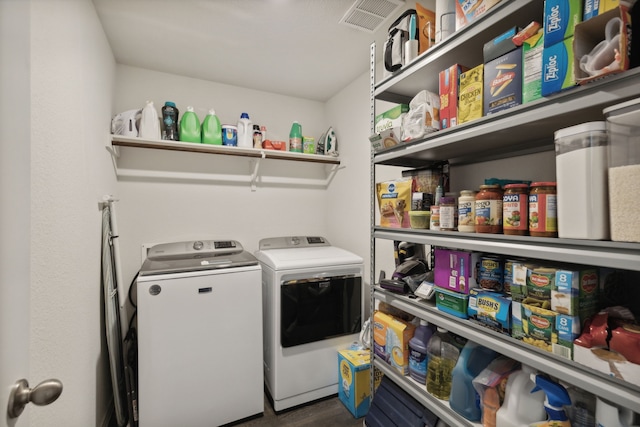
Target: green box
[(391, 118), (453, 303), (532, 67), (558, 67), (560, 19)]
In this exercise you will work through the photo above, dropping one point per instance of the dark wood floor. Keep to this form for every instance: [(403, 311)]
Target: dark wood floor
[(326, 412)]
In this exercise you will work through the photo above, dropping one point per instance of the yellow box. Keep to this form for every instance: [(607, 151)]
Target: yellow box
[(354, 379), (391, 340), (471, 95)]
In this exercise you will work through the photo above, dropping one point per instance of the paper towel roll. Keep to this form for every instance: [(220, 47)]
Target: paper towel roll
[(445, 19)]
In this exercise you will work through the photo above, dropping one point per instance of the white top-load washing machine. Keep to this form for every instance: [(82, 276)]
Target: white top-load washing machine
[(199, 335), (312, 305)]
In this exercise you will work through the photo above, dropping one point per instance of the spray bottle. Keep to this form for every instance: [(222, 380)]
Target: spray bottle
[(556, 397)]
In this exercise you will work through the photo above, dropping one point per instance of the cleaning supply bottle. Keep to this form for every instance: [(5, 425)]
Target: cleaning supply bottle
[(608, 414), (464, 398), (418, 357), (295, 138), (211, 129), (170, 115), (521, 406), (443, 355), (149, 123), (556, 398), (190, 126), (245, 131), (583, 406)]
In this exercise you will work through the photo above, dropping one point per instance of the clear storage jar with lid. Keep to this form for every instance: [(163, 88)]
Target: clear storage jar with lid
[(623, 124), (581, 173)]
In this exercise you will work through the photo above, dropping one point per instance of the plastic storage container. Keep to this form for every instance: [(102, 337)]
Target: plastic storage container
[(581, 174), (443, 355), (419, 219), (520, 406), (464, 398), (418, 357), (623, 124)]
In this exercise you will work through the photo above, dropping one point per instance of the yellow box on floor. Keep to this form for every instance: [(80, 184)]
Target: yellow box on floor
[(353, 380)]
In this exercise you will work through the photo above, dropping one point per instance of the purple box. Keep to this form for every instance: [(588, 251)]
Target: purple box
[(456, 270)]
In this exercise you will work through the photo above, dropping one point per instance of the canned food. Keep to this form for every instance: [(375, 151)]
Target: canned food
[(543, 217), (491, 273)]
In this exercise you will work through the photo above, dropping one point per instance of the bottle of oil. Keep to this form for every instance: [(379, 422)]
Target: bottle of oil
[(443, 356)]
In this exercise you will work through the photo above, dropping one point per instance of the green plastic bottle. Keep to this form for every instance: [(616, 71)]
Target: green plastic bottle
[(211, 129), (190, 127), (295, 138)]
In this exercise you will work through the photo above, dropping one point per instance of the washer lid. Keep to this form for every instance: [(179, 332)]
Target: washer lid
[(304, 257), (196, 255)]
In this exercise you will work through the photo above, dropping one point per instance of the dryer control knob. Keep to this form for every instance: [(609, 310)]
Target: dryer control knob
[(198, 245)]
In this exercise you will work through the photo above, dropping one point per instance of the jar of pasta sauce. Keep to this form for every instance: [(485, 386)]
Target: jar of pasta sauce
[(543, 217), (467, 211), (489, 209), (448, 214), (515, 209)]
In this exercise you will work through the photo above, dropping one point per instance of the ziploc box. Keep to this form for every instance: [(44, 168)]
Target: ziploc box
[(354, 368), (391, 118), (469, 10), (470, 94), (456, 270), (395, 342), (532, 49), (490, 309), (503, 82), (560, 19), (558, 67), (448, 91)]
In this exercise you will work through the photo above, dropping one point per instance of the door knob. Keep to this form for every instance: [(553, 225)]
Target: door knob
[(43, 394)]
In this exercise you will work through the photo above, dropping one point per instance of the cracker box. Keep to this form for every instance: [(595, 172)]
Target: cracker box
[(386, 139), (454, 303), (490, 309), (532, 67), (558, 67), (456, 270), (354, 367), (392, 336), (391, 118), (503, 82), (469, 10), (470, 94), (448, 90), (560, 19)]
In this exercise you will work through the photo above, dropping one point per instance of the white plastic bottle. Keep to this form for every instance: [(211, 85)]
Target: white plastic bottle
[(521, 407), (149, 122), (245, 131)]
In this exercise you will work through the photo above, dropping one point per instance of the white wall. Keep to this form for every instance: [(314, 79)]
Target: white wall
[(72, 73)]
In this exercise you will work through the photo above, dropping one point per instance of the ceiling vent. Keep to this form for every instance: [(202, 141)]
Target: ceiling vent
[(368, 15)]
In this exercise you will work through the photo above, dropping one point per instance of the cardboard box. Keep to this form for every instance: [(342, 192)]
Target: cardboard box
[(469, 10), (490, 309), (560, 19), (558, 68), (594, 8), (499, 46), (576, 292), (454, 303), (503, 82), (449, 80), (391, 118), (391, 340), (598, 54), (608, 362), (426, 28), (386, 139), (532, 67), (456, 271), (470, 94), (354, 367)]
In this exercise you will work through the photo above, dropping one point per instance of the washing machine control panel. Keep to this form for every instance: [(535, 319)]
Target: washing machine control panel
[(292, 242), (179, 250)]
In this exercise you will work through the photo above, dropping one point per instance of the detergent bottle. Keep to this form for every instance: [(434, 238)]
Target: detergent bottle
[(245, 131), (418, 357), (521, 405), (190, 126), (556, 398), (464, 398), (443, 355), (149, 122), (211, 129), (608, 414)]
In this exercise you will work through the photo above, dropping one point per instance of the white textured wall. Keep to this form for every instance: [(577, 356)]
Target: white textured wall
[(72, 73)]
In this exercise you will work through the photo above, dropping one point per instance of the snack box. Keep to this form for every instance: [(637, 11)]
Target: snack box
[(469, 10), (456, 270), (560, 19), (602, 45), (354, 367), (391, 340), (386, 139), (470, 94), (448, 90), (597, 7), (545, 329), (391, 118), (503, 82), (558, 67), (454, 303), (532, 68), (490, 309)]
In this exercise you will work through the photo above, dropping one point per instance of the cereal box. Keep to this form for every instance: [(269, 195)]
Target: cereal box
[(503, 82), (469, 10), (448, 91), (470, 97)]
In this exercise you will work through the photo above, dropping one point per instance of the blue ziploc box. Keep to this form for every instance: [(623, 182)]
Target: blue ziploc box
[(560, 19), (558, 67)]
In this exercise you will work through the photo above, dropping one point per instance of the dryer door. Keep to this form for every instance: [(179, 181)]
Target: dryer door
[(316, 309)]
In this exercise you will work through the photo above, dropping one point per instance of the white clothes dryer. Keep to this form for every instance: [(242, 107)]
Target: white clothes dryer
[(312, 307), (199, 335)]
